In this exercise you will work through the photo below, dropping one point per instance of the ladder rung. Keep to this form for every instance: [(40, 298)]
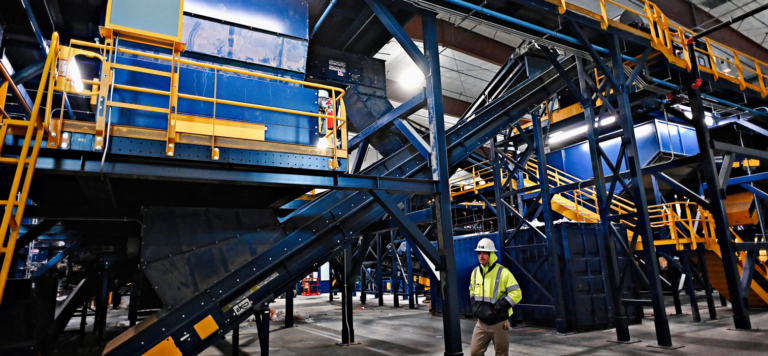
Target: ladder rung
[(16, 122), (5, 202), (12, 160)]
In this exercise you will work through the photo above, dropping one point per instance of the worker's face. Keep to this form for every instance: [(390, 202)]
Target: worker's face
[(483, 257)]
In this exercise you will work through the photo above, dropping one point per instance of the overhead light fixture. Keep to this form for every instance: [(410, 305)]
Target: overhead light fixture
[(75, 76), (412, 79), (567, 134)]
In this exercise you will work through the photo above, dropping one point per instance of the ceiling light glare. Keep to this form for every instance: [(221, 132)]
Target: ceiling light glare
[(412, 79)]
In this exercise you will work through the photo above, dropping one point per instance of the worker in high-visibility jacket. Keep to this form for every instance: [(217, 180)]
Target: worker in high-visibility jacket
[(493, 291)]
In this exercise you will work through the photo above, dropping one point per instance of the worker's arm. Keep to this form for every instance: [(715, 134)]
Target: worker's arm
[(512, 293), (472, 285)]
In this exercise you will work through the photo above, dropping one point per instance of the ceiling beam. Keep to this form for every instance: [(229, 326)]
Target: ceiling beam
[(464, 41), (682, 12)]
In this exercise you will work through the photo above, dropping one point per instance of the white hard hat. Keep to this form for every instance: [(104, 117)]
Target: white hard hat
[(485, 245)]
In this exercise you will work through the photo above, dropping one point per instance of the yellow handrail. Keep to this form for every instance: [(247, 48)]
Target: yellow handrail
[(337, 115)]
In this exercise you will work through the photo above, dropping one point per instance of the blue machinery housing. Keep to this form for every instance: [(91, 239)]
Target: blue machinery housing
[(226, 225)]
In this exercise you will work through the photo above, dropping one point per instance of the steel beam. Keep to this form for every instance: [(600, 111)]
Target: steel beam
[(394, 281), (21, 76), (643, 224), (757, 192), (347, 289), (745, 179), (410, 283), (362, 151), (56, 259), (418, 217), (742, 151), (561, 323), (716, 197), (488, 204), (608, 250), (414, 104), (442, 202), (379, 261), (397, 31), (42, 227), (413, 136), (18, 91), (214, 174), (681, 189), (44, 47), (409, 229)]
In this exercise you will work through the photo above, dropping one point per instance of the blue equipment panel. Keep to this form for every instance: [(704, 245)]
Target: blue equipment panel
[(288, 17), (227, 41), (653, 138), (281, 127)]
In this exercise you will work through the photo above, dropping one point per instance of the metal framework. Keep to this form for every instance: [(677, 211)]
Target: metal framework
[(345, 222)]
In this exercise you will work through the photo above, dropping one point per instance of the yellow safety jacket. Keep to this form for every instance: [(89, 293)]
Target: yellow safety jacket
[(493, 291)]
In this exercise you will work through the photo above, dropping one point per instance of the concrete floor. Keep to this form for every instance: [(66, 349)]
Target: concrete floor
[(400, 331)]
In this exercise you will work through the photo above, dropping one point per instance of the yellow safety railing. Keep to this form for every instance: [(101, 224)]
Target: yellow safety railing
[(670, 40), (683, 221), (33, 132), (687, 223), (477, 176), (336, 136), (584, 198)]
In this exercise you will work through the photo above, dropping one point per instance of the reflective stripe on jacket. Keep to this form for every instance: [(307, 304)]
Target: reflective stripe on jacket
[(493, 291)]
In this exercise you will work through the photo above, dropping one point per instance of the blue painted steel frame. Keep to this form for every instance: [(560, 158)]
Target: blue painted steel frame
[(56, 259), (43, 47), (548, 217), (311, 237), (716, 195), (442, 202), (407, 108), (213, 173)]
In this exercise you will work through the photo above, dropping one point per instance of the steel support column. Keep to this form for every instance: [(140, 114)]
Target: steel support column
[(442, 202), (409, 281), (262, 328), (561, 324), (347, 290), (379, 281), (618, 88), (608, 247), (686, 263), (289, 295), (704, 279), (637, 191), (133, 300), (716, 194), (236, 341), (101, 307), (394, 281), (501, 213)]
